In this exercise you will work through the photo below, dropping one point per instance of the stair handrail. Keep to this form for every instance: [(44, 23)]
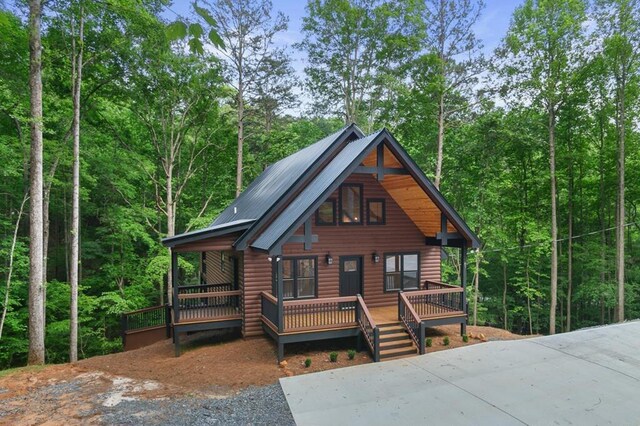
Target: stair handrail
[(366, 322), (411, 322)]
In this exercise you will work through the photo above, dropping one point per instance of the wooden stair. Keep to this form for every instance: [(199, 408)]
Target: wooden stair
[(395, 342)]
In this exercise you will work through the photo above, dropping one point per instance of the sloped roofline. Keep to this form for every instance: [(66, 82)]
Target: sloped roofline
[(200, 234), (242, 242), (406, 161)]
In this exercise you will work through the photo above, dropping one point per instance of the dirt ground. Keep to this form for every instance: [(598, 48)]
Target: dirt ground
[(211, 366)]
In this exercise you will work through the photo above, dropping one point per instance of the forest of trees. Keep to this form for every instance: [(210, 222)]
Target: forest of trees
[(120, 126)]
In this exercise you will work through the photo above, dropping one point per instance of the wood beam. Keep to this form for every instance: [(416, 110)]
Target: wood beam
[(380, 162), (385, 170)]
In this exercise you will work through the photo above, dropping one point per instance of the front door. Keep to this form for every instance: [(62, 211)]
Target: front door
[(350, 275)]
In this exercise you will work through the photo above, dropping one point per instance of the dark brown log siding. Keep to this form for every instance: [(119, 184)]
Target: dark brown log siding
[(398, 235), (218, 271)]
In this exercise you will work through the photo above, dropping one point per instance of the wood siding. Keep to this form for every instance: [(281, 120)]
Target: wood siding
[(399, 234), (218, 271)]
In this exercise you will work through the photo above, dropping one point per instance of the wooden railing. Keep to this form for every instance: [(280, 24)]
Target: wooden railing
[(270, 308), (437, 302), (411, 321), (369, 329), (437, 285), (205, 302), (316, 314), (155, 316)]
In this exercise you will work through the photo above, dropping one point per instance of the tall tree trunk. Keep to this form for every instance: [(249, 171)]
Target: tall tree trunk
[(504, 296), (10, 268), (36, 301), (529, 295), (75, 203), (620, 217), (554, 221), (570, 242), (603, 235), (240, 131), (171, 225), (438, 176)]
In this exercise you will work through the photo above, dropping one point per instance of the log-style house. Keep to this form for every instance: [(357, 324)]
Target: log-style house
[(341, 239)]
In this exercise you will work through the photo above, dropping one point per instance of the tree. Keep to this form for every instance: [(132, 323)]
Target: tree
[(247, 30), (540, 50), (77, 43), (36, 299), (455, 60), (351, 45), (619, 23)]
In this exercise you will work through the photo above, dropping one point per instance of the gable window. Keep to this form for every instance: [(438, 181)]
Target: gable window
[(299, 277), (351, 204), (401, 271), (326, 214), (376, 214)]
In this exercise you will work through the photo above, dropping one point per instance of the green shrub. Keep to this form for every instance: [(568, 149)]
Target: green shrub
[(465, 338), (445, 341), (333, 356), (429, 342), (307, 362), (351, 353)]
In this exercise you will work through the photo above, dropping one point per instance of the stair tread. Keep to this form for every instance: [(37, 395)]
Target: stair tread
[(391, 336), (396, 352), (396, 344), (389, 324)]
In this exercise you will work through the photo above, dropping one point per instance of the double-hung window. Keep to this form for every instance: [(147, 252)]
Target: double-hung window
[(351, 204), (299, 277), (401, 271)]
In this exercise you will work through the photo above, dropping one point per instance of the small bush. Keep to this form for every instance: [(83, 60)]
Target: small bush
[(307, 362), (465, 338), (351, 353), (445, 341), (333, 356), (429, 342)]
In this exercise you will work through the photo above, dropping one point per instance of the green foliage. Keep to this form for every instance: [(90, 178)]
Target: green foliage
[(445, 340), (429, 342), (333, 356), (465, 338), (307, 362), (351, 354)]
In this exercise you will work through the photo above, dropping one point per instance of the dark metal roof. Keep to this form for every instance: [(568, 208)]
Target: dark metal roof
[(212, 231), (319, 188), (276, 180), (343, 164)]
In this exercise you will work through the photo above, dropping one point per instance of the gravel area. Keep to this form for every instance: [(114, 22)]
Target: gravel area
[(253, 406)]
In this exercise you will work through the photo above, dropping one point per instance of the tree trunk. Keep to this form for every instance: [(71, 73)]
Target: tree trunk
[(36, 301), (440, 141), (240, 137), (75, 203), (171, 226), (620, 217), (10, 268), (504, 296), (554, 222), (570, 242)]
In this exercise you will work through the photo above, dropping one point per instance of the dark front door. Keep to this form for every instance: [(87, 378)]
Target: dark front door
[(350, 275)]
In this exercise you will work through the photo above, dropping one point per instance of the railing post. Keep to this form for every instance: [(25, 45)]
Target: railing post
[(376, 344), (280, 290), (123, 329), (422, 347), (358, 307), (399, 305)]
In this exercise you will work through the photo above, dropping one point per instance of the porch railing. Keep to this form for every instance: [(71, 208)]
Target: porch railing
[(270, 308), (155, 316), (437, 302), (370, 330), (314, 314), (205, 302), (411, 321)]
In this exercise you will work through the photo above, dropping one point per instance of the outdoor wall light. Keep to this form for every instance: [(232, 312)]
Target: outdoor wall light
[(375, 257), (329, 259), (277, 259)]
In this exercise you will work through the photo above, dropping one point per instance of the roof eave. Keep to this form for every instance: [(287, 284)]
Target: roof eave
[(202, 234)]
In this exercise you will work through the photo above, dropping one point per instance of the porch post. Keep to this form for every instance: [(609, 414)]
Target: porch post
[(463, 284), (280, 291), (174, 279)]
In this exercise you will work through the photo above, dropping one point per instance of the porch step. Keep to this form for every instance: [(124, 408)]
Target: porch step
[(393, 353), (395, 342)]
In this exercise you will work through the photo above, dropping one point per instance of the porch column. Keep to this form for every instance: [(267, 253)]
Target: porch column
[(174, 279), (463, 284), (280, 291)]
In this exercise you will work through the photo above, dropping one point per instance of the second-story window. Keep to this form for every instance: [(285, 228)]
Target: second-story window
[(351, 204), (326, 214)]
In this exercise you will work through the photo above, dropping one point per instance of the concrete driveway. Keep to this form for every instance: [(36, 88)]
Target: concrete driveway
[(586, 377)]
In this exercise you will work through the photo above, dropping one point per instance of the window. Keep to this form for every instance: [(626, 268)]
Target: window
[(401, 271), (376, 212), (326, 214), (298, 277), (351, 204)]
